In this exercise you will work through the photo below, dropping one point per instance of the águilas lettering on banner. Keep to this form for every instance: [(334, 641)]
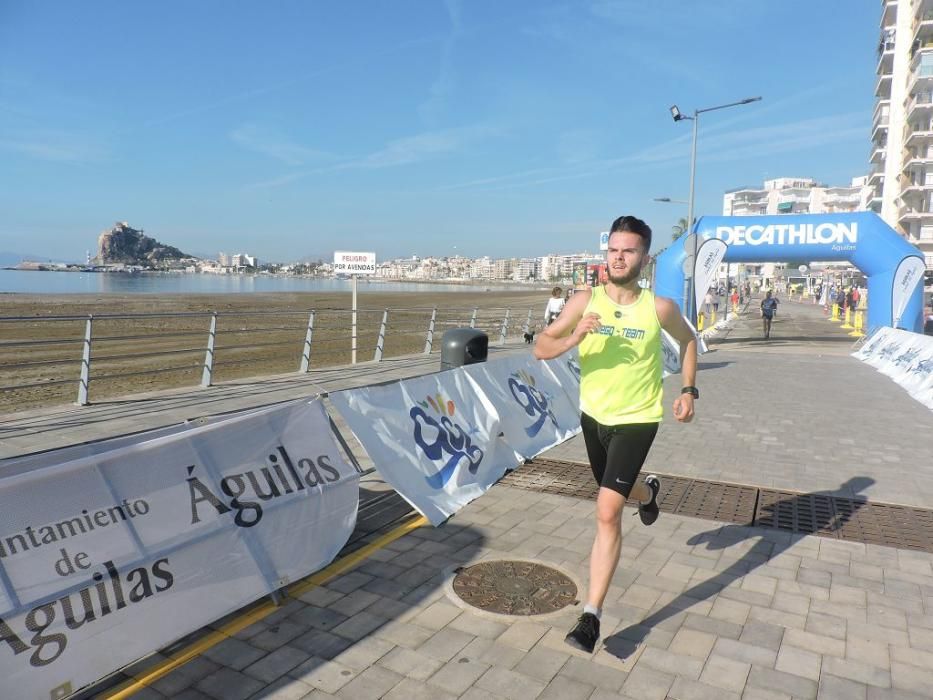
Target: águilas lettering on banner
[(138, 546)]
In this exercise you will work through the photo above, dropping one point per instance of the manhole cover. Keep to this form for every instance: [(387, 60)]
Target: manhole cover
[(514, 588)]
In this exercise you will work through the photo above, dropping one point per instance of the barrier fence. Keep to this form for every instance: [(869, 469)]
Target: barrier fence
[(45, 360)]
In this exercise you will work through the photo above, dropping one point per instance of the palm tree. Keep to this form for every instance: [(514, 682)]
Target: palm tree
[(679, 229)]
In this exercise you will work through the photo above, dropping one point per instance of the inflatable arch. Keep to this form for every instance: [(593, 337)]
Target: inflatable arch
[(894, 268)]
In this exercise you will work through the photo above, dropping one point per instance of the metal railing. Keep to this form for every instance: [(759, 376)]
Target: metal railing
[(43, 359)]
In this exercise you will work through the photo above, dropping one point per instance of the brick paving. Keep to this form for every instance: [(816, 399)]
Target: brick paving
[(697, 609)]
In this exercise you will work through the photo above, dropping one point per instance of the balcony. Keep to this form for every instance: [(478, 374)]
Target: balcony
[(915, 163), (883, 86), (923, 25), (919, 135), (877, 153)]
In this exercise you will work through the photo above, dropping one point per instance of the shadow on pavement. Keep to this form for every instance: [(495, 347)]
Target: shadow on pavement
[(626, 641)]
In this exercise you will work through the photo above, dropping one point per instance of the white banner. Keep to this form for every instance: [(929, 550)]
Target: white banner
[(905, 357), (434, 439), (566, 370), (709, 257), (908, 275), (107, 558), (534, 411)]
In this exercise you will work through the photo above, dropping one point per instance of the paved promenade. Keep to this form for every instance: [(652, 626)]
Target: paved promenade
[(697, 609)]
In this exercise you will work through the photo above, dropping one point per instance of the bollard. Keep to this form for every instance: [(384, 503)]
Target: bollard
[(848, 317), (835, 315), (473, 319), (208, 371), (380, 343), (527, 323), (306, 351), (700, 318), (858, 332), (712, 319), (429, 341), (85, 364)]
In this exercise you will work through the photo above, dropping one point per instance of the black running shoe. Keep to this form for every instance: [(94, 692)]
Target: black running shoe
[(648, 512), (585, 633)]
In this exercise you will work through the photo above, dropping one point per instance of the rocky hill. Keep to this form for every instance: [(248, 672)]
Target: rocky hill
[(124, 244)]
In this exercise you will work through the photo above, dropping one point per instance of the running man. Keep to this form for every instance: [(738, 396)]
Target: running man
[(768, 309), (617, 327)]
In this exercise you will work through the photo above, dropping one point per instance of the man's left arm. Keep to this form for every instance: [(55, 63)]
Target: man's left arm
[(672, 321)]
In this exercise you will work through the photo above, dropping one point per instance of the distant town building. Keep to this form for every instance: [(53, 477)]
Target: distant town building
[(901, 156), (788, 195)]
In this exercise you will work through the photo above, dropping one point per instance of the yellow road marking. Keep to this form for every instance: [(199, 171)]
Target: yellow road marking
[(258, 612)]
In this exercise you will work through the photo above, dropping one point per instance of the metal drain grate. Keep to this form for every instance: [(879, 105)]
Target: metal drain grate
[(853, 519)]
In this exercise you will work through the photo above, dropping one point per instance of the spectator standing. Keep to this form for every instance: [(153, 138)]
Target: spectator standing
[(554, 306)]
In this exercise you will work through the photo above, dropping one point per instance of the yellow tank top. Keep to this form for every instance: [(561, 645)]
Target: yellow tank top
[(620, 363)]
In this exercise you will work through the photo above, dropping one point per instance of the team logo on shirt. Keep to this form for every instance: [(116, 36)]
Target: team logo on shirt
[(442, 438), (627, 333)]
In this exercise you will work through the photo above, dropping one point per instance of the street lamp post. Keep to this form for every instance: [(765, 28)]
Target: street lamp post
[(677, 115)]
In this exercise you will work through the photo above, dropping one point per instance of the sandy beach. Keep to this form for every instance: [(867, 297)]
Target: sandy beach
[(257, 334)]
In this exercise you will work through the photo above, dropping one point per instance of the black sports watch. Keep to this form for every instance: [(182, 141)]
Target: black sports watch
[(692, 390)]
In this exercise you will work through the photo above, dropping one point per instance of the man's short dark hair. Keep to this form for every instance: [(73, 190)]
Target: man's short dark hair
[(632, 224)]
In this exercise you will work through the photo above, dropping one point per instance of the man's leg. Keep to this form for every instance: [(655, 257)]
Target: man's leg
[(616, 457)]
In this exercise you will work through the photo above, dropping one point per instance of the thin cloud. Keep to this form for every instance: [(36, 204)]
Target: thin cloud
[(442, 88), (271, 143), (409, 150), (53, 146), (725, 146)]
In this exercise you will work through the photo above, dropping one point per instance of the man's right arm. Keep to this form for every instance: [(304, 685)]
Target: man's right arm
[(567, 330)]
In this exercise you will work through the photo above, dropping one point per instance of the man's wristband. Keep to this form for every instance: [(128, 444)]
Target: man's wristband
[(692, 390)]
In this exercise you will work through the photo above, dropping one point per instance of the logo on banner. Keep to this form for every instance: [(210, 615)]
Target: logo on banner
[(840, 236), (906, 359), (442, 437), (924, 368), (887, 352), (574, 367), (532, 400)]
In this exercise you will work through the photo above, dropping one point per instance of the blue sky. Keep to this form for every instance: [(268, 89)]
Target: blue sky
[(480, 127)]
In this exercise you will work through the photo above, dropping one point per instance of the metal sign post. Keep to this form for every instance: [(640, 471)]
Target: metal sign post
[(354, 265), (353, 323)]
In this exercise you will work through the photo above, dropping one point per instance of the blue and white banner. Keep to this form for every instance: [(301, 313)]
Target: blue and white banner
[(535, 413), (705, 267), (907, 277), (905, 357), (434, 439), (107, 558), (566, 370)]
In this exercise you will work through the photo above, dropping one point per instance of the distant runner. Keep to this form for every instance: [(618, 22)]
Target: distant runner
[(617, 327), (768, 310)]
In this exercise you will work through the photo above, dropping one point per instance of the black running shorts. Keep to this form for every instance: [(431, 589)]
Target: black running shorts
[(617, 452)]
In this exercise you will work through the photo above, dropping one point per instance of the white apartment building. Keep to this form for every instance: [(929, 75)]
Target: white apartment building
[(795, 195), (901, 156)]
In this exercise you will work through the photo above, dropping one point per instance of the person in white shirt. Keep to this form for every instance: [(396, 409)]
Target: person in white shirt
[(554, 306)]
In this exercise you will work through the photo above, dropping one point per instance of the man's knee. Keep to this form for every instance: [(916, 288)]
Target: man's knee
[(609, 514)]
